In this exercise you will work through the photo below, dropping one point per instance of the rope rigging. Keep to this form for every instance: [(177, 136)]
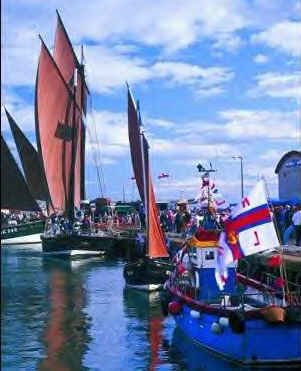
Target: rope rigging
[(95, 145)]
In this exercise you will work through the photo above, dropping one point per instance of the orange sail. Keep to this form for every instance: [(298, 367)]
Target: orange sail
[(156, 239)]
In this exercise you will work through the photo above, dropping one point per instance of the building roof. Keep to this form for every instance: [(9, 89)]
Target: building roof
[(285, 157)]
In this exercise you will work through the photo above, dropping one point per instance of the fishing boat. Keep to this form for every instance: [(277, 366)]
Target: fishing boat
[(151, 270), (16, 195), (234, 321), (60, 109)]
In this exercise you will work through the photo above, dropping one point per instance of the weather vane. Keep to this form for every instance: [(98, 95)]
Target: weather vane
[(201, 168)]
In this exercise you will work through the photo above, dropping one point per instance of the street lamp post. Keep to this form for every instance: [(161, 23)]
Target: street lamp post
[(241, 174)]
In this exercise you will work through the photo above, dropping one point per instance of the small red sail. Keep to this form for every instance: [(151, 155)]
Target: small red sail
[(67, 62), (54, 128)]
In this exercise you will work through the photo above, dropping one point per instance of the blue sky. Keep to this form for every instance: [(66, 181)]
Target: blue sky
[(215, 79)]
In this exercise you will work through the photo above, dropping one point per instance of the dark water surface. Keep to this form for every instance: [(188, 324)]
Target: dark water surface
[(61, 315)]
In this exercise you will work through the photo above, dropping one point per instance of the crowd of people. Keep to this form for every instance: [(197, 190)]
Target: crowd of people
[(186, 222), (87, 221), (288, 221), (179, 219), (11, 218)]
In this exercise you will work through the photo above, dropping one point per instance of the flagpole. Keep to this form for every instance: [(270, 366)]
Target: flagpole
[(282, 268)]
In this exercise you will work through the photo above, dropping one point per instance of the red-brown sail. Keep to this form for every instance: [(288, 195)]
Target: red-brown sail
[(54, 115), (67, 62), (140, 161), (135, 144)]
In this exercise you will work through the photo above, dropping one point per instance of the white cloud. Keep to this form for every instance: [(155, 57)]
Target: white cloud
[(108, 70), (239, 125), (261, 59), (107, 136), (228, 42), (22, 112), (164, 124), (188, 147), (170, 24), (251, 124), (284, 36), (277, 85), (206, 81), (271, 154)]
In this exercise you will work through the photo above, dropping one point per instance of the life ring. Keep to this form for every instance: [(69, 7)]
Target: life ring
[(237, 322)]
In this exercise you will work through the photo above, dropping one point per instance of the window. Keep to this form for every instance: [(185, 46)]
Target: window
[(209, 255)]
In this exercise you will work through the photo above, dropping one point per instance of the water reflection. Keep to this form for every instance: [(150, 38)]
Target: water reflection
[(66, 335), (146, 308), (23, 307), (77, 315)]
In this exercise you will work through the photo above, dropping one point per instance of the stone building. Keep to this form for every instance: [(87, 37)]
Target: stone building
[(288, 170)]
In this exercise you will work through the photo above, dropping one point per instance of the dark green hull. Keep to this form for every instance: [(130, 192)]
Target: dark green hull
[(22, 233)]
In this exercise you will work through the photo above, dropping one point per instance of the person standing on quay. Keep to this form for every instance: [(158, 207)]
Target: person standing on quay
[(296, 219)]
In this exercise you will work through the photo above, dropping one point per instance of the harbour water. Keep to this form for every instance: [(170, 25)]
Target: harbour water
[(61, 315)]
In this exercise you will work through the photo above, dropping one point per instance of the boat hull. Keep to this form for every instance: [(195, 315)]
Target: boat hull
[(146, 287), (23, 240), (77, 245), (28, 233), (147, 274), (260, 343)]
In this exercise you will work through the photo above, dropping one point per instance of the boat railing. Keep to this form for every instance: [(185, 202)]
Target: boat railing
[(271, 280), (259, 299), (256, 299), (21, 227)]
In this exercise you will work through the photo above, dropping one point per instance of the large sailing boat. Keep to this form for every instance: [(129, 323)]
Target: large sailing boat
[(151, 271), (16, 195), (60, 108)]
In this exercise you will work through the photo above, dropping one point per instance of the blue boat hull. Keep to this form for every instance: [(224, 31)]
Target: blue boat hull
[(261, 343)]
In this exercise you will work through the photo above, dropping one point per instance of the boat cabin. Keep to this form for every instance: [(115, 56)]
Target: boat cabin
[(202, 264)]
